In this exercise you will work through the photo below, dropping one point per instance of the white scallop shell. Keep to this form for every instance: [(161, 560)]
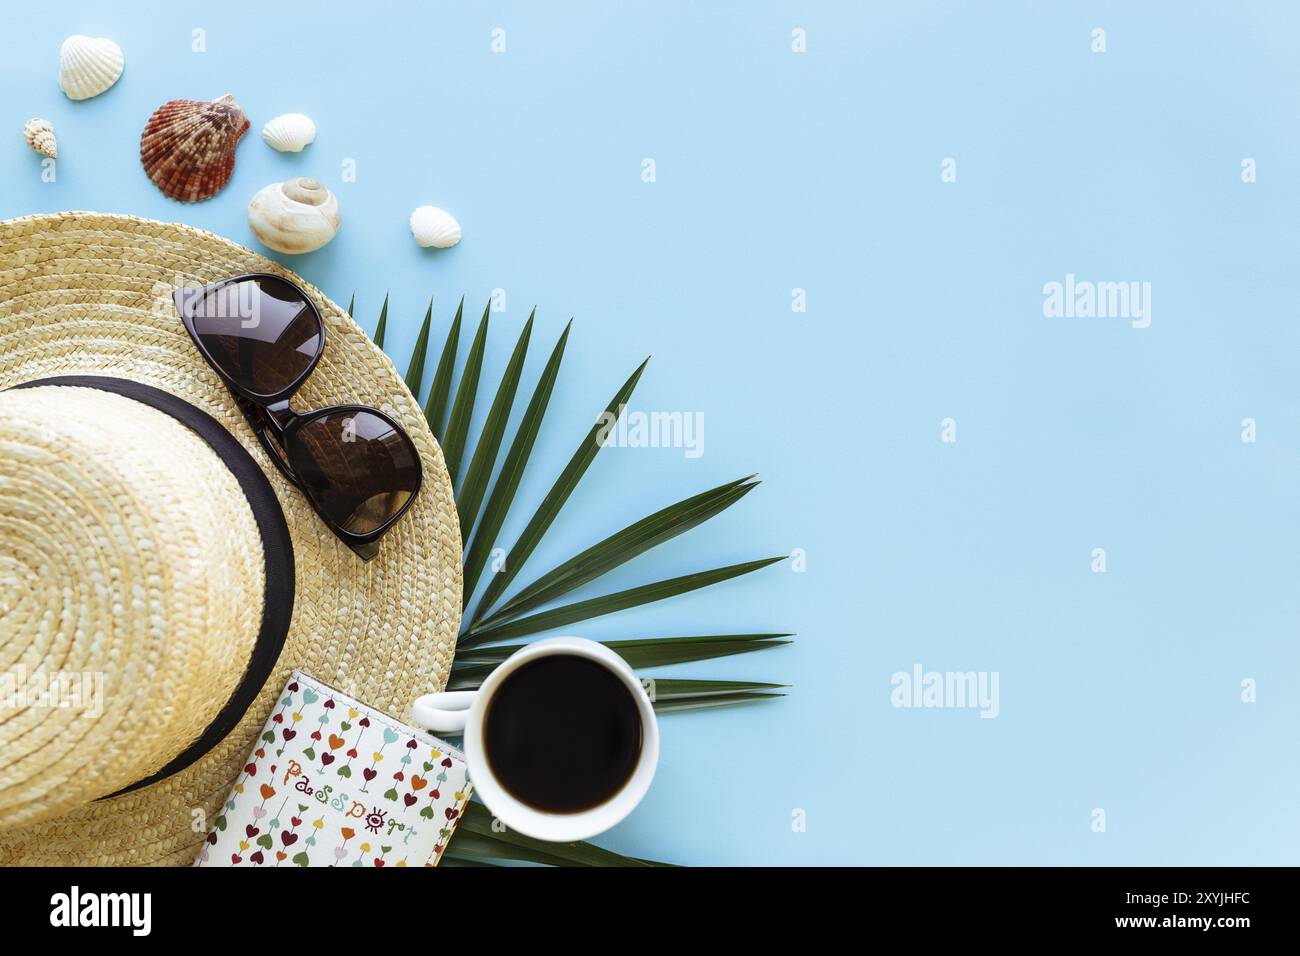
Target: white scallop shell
[(289, 133), (296, 216), (88, 66), (435, 227)]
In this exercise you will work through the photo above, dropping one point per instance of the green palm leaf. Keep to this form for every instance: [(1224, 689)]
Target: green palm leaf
[(555, 498), (475, 848), (451, 860), (415, 370), (462, 409), (471, 493), (622, 547), (472, 665), (512, 469), (713, 700), (609, 603), (476, 843), (352, 304), (666, 689), (382, 328), (436, 409), (476, 822)]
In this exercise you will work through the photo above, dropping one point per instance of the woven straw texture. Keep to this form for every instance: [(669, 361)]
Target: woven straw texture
[(112, 566), (90, 294)]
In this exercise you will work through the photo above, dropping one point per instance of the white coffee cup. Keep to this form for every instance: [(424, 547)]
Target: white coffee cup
[(453, 712)]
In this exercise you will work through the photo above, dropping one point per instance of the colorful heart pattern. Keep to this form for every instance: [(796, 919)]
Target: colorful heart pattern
[(301, 806)]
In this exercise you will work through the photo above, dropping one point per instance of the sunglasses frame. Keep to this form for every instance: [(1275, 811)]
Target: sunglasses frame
[(272, 413)]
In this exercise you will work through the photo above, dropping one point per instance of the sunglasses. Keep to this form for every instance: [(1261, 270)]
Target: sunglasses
[(263, 336)]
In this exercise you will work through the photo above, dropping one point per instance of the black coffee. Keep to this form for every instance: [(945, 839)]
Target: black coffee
[(562, 733)]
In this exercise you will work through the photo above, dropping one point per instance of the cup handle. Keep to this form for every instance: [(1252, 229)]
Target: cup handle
[(443, 713)]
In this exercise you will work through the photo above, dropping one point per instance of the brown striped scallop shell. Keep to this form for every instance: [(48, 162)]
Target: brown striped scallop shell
[(188, 146)]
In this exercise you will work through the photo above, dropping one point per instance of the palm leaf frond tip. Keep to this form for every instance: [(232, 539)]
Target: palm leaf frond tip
[(470, 495), (512, 469), (609, 603), (546, 512), (462, 409), (415, 369), (381, 329), (435, 411)]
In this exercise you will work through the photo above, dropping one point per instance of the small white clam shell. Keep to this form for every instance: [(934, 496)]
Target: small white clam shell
[(88, 66), (435, 227), (290, 132), (296, 216)]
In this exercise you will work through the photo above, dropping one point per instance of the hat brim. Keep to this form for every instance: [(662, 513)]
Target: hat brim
[(90, 294)]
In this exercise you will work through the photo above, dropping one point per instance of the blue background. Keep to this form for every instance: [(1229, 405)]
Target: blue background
[(821, 171)]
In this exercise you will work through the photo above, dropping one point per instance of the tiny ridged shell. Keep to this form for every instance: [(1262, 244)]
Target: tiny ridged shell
[(188, 146), (434, 227), (39, 135), (88, 66), (289, 133)]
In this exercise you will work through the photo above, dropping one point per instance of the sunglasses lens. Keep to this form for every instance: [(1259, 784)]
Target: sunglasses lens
[(261, 332), (359, 470)]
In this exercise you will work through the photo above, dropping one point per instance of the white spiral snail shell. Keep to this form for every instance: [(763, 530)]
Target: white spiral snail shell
[(295, 216)]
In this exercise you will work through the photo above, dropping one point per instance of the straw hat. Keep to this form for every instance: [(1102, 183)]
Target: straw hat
[(148, 547)]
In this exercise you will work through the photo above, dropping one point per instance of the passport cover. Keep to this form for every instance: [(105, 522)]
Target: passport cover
[(334, 782)]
